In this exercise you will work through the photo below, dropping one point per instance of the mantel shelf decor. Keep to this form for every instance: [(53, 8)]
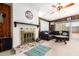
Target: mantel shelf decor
[(15, 24)]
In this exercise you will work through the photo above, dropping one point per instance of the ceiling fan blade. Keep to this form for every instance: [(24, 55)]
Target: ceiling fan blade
[(71, 4), (53, 6), (52, 12)]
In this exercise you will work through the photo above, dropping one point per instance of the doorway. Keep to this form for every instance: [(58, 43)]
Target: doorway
[(5, 27), (75, 29)]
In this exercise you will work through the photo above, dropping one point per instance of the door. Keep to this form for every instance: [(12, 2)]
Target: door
[(52, 27), (5, 26)]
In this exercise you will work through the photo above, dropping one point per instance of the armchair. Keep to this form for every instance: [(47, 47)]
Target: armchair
[(45, 35)]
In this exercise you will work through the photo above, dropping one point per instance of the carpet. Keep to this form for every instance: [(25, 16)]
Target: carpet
[(39, 50)]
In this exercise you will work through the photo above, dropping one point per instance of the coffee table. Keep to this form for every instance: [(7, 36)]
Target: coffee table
[(61, 38)]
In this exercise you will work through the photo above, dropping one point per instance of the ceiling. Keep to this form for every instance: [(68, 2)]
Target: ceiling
[(45, 10)]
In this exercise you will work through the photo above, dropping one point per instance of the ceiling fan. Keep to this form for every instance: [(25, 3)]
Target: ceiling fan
[(59, 7)]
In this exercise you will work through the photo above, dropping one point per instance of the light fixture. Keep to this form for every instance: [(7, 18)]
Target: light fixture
[(58, 7)]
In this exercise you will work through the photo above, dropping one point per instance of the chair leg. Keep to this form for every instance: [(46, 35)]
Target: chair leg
[(65, 42)]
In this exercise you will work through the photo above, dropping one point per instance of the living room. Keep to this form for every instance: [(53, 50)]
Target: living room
[(41, 25)]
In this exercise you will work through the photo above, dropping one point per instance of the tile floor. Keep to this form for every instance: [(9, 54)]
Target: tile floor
[(61, 49), (58, 49)]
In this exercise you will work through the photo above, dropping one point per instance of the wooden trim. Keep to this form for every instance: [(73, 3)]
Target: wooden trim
[(74, 17), (49, 25), (59, 20), (4, 4), (39, 29), (43, 19), (15, 24)]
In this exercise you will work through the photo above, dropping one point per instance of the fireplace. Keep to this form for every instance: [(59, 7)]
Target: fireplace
[(27, 36)]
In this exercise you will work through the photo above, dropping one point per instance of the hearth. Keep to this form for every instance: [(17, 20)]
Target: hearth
[(27, 36)]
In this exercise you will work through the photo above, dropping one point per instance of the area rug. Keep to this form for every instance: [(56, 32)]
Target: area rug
[(39, 50)]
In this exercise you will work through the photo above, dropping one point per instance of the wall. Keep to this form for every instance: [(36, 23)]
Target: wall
[(75, 26), (19, 13), (44, 25), (19, 16)]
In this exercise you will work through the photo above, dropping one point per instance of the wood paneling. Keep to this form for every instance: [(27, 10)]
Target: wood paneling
[(44, 19), (5, 27), (74, 17)]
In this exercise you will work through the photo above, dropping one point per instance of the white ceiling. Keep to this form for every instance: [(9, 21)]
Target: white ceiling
[(45, 10)]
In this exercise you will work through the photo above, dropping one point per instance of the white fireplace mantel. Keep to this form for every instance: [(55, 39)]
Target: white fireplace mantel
[(24, 27)]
